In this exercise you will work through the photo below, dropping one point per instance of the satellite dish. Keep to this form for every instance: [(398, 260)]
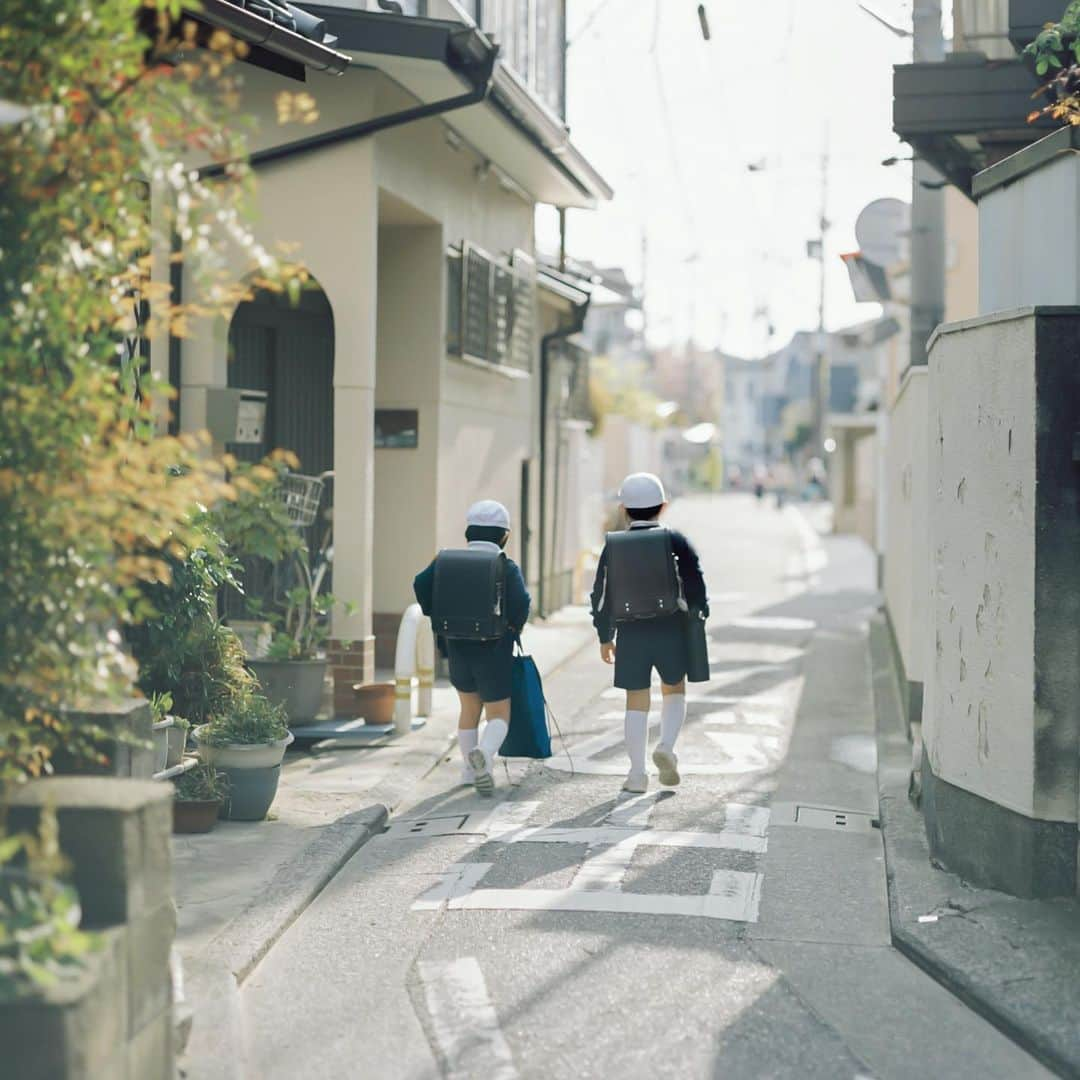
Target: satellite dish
[(881, 228)]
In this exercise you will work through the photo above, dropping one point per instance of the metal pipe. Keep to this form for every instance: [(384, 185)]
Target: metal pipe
[(364, 128), (927, 205), (575, 327)]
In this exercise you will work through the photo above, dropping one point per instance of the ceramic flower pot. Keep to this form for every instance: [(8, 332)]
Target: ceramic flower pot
[(177, 743), (252, 772), (296, 684), (240, 756), (251, 793)]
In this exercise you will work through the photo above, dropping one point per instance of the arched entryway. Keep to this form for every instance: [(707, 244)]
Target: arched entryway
[(285, 350)]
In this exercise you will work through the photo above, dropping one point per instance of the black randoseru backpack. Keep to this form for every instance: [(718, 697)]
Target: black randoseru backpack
[(469, 595), (642, 576)]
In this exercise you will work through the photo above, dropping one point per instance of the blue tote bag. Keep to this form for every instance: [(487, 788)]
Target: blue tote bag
[(528, 735)]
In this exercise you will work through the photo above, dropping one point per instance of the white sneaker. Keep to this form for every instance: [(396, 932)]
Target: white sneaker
[(668, 764), (483, 781), (636, 783), (467, 776)]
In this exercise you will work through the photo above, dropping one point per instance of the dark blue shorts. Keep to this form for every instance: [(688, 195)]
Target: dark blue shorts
[(650, 643), (482, 667)]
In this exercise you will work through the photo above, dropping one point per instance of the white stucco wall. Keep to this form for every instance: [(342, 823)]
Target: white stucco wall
[(410, 333), (906, 545), (339, 247), (1025, 256), (978, 721)]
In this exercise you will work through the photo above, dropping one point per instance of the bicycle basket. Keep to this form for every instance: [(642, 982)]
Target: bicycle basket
[(301, 495)]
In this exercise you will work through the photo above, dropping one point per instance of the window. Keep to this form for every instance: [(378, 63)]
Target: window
[(491, 307), (532, 39)]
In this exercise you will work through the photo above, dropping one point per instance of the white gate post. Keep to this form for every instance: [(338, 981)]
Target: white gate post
[(414, 657)]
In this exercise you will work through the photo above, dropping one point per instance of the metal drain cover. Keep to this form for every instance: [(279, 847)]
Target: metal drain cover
[(822, 817), (437, 826)]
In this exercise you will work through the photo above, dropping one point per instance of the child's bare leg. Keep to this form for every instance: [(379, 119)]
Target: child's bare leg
[(636, 732)]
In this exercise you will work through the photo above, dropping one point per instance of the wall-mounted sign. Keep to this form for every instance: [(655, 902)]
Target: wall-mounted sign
[(397, 429)]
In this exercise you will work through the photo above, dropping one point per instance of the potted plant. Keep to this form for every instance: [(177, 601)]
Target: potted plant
[(247, 744), (197, 797), (170, 733), (258, 529)]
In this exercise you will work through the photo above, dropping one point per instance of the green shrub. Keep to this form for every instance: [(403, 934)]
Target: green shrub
[(248, 722)]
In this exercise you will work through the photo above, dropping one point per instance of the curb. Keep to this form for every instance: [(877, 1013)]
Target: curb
[(894, 763)]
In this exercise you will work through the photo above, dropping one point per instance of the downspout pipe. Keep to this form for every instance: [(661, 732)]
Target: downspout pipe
[(364, 128), (575, 326)]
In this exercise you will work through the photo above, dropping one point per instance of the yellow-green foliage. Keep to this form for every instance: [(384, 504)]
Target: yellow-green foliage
[(93, 496), (620, 392)]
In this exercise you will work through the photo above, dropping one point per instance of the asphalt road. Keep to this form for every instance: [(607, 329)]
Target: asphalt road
[(733, 927)]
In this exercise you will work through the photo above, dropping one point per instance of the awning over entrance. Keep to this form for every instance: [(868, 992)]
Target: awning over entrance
[(437, 59), (965, 114)]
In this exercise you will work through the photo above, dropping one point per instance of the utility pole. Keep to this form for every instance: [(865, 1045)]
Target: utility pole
[(927, 205), (820, 398), (644, 294)]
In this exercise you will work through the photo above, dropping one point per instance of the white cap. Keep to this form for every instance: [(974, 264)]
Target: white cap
[(488, 512), (641, 491)]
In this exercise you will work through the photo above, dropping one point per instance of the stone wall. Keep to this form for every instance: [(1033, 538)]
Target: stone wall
[(115, 1021)]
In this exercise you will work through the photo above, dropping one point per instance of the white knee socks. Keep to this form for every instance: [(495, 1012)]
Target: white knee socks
[(494, 732), (672, 716), (466, 740), (636, 730)]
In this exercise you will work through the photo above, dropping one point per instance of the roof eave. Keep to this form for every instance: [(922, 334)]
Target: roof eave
[(255, 30), (548, 131)]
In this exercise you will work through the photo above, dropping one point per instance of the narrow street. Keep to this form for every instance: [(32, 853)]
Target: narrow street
[(736, 926)]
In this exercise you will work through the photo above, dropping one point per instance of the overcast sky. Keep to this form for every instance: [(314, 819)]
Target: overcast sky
[(727, 246)]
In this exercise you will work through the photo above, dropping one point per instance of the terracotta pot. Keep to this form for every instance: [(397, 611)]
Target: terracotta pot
[(194, 815), (375, 702)]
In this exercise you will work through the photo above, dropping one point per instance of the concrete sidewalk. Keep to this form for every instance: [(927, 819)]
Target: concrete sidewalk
[(240, 887), (1013, 961)]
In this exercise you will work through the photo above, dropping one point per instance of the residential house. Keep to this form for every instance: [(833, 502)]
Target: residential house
[(414, 369)]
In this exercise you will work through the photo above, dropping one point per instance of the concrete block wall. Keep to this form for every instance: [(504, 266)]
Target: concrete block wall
[(115, 1020), (1001, 720), (905, 540), (130, 750)]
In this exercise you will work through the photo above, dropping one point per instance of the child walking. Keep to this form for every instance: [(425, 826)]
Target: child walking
[(478, 604), (648, 579)]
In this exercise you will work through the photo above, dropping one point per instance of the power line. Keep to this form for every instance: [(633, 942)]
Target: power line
[(669, 131), (583, 29)]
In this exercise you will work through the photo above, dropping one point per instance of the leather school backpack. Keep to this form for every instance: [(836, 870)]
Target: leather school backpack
[(642, 576), (469, 594)]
